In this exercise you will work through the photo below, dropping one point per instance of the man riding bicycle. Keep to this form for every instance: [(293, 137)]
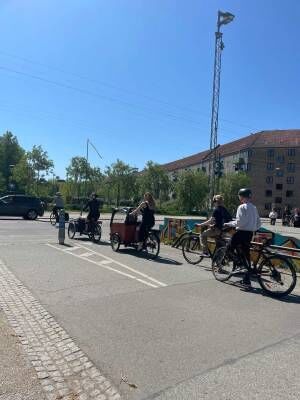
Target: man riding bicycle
[(247, 222), (58, 202), (93, 206), (219, 216)]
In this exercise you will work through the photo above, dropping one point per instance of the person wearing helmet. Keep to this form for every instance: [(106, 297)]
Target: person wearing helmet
[(219, 216), (58, 202), (246, 223), (93, 206)]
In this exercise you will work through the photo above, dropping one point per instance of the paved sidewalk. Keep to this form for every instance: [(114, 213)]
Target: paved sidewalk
[(18, 379)]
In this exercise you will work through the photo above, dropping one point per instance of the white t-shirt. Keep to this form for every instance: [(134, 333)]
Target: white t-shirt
[(247, 218)]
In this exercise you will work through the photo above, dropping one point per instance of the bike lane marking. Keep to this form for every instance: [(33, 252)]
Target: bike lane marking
[(126, 267), (99, 263)]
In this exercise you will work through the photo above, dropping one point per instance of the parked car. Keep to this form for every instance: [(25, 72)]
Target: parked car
[(28, 207)]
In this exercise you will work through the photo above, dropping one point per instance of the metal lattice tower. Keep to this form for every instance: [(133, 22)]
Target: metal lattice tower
[(223, 18)]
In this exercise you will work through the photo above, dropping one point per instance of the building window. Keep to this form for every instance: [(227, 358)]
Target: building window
[(269, 179), (289, 193), (268, 193), (278, 200), (291, 167), (270, 166), (279, 173), (291, 152), (280, 159), (203, 169), (268, 206), (248, 167), (279, 186), (250, 153), (270, 153), (290, 180)]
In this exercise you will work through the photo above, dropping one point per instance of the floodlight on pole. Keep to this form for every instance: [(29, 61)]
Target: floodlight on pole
[(224, 18)]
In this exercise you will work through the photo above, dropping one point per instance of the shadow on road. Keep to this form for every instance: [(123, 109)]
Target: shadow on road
[(143, 254), (291, 298)]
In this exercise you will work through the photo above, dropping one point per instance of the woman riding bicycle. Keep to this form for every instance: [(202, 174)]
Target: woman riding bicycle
[(146, 208)]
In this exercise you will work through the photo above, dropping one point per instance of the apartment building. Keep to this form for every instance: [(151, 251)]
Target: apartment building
[(270, 158)]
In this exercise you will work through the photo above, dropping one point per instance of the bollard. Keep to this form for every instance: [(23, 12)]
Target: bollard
[(61, 227)]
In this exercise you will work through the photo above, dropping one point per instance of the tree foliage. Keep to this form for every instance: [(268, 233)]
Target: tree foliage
[(154, 179), (191, 188), (229, 187), (10, 154)]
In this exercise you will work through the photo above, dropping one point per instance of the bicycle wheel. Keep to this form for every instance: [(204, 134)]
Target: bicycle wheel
[(71, 230), (192, 249), (277, 276), (152, 245), (222, 264), (97, 233), (52, 218)]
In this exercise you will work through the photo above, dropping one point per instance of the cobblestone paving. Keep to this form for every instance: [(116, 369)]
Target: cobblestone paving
[(64, 371)]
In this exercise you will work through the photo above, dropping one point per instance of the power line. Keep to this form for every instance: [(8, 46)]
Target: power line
[(109, 85)]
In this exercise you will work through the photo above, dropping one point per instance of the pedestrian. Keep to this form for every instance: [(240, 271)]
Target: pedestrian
[(273, 216), (247, 222), (219, 216), (297, 218)]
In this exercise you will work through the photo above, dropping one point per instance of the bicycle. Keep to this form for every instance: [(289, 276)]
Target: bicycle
[(275, 273), (192, 249), (54, 217)]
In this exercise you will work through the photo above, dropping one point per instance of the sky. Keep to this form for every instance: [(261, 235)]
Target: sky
[(135, 76)]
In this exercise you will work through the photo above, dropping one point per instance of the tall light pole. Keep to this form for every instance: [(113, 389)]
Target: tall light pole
[(223, 19)]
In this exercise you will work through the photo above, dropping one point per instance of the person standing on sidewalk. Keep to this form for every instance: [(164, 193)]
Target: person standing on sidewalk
[(273, 216), (58, 204), (247, 222), (219, 216)]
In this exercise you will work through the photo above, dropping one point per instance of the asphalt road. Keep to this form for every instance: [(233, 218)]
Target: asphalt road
[(167, 326)]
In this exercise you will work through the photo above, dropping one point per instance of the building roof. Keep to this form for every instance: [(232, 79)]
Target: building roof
[(276, 138)]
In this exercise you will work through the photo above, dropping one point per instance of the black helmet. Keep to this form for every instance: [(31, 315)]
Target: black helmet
[(245, 192)]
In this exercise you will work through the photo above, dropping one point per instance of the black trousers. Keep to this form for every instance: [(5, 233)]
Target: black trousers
[(144, 230), (241, 241)]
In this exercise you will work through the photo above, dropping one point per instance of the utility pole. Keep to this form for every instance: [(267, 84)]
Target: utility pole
[(223, 19)]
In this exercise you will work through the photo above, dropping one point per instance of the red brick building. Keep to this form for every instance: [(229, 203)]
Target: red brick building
[(270, 158)]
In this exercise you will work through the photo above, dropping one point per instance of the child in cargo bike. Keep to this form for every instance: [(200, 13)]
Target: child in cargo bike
[(146, 208)]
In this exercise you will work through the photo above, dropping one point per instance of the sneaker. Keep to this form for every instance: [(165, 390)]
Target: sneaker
[(246, 282)]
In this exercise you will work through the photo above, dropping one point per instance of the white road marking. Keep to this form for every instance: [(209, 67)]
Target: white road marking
[(87, 254), (104, 262), (70, 249), (126, 267), (105, 266)]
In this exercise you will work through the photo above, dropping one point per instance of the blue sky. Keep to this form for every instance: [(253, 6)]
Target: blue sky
[(135, 76)]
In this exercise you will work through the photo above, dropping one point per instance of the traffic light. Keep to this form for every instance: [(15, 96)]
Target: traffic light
[(219, 168)]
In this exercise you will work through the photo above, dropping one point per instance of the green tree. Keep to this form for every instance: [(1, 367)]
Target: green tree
[(40, 164), (121, 180), (10, 154), (191, 190), (154, 179), (229, 187), (23, 175)]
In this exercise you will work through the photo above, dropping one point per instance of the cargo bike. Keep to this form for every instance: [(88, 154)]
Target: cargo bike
[(124, 230), (92, 229)]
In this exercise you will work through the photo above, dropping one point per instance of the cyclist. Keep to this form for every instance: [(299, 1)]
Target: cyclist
[(58, 202), (146, 208), (246, 223), (219, 216), (92, 206)]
